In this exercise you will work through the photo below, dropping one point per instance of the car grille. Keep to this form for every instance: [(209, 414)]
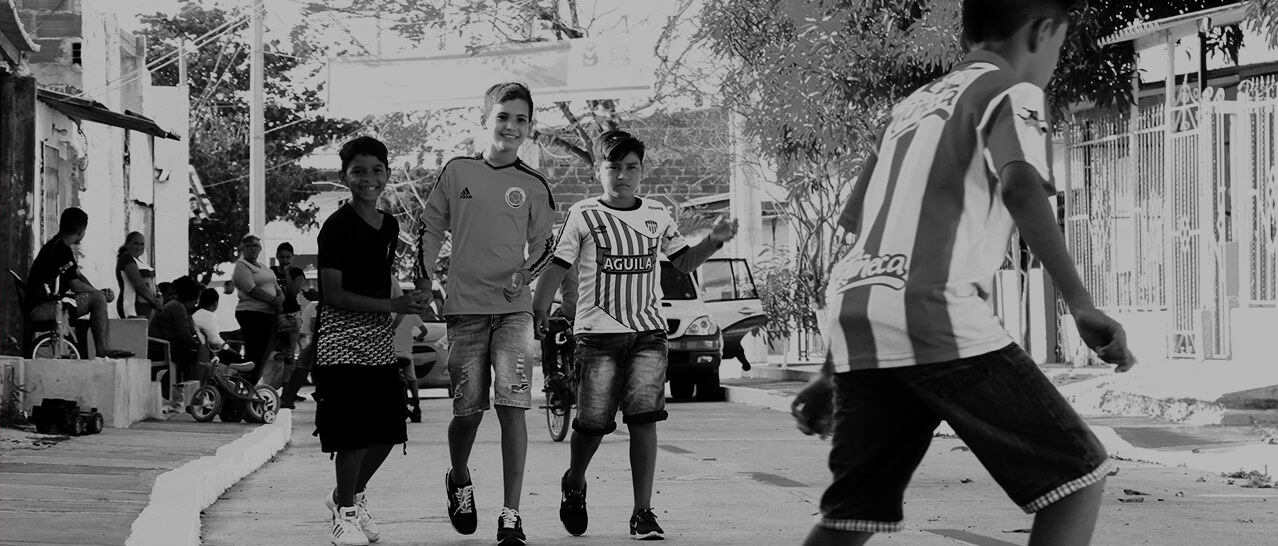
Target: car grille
[(672, 326)]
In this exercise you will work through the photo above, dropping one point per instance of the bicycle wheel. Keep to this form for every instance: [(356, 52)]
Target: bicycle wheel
[(558, 415), (53, 346), (206, 403)]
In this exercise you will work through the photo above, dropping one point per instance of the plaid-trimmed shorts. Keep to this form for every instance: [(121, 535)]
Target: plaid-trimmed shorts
[(1017, 424)]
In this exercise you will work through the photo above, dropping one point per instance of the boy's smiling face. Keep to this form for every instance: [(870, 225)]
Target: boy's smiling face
[(509, 123), (366, 177), (621, 178)]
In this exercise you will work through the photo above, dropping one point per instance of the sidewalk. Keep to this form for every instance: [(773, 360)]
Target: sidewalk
[(144, 485)]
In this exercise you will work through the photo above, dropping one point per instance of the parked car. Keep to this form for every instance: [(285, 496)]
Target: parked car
[(706, 323)]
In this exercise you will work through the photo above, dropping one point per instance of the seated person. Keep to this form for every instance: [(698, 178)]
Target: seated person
[(206, 329), (174, 325), (55, 272)]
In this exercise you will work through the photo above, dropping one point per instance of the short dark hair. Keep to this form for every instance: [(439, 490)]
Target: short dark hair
[(186, 288), (365, 145), (285, 246), (616, 145), (991, 20), (73, 220), (164, 287), (208, 297), (506, 92)]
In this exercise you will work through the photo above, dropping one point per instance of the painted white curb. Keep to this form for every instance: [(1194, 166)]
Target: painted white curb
[(172, 517)]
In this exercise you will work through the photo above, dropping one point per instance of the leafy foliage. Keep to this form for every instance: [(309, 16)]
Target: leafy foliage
[(219, 84)]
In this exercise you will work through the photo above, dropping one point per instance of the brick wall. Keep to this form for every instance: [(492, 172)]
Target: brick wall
[(687, 157)]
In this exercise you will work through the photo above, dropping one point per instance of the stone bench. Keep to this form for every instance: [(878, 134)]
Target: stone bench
[(121, 389)]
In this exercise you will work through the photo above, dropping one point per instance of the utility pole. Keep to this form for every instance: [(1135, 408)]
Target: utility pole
[(182, 62), (257, 138)]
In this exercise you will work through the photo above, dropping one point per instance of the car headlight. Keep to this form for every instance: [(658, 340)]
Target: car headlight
[(701, 326)]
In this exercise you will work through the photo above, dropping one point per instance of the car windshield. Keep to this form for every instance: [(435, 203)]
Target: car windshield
[(677, 285)]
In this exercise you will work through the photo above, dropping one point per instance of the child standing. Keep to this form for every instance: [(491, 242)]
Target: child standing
[(615, 240), (912, 337), (358, 392), (500, 213)]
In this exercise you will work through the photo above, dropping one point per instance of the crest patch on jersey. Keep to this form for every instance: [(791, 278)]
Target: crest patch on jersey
[(515, 197)]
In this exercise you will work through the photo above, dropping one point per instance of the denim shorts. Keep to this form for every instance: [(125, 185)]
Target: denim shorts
[(1000, 404), (626, 371), (489, 351)]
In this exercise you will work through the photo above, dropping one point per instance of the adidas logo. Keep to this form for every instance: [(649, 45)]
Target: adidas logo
[(465, 194)]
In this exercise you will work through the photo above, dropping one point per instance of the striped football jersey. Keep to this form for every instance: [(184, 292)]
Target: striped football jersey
[(618, 257), (931, 228)]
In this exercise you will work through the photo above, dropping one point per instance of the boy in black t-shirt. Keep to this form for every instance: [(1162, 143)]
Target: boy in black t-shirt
[(55, 272), (358, 392)]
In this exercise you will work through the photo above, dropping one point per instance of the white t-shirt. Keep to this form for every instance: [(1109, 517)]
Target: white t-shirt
[(616, 253), (206, 328)]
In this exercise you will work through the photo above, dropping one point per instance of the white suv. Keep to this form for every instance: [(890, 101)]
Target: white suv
[(703, 326)]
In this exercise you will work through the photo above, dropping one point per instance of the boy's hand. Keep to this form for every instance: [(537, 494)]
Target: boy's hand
[(1105, 336), (723, 230), (412, 303), (540, 323), (518, 280), (813, 407)]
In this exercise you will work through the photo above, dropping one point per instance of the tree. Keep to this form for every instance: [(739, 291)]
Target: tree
[(815, 80), (219, 84)]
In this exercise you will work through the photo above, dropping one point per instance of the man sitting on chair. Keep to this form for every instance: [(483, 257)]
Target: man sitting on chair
[(55, 273)]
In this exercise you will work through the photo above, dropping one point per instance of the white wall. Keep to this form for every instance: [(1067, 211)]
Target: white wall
[(169, 107)]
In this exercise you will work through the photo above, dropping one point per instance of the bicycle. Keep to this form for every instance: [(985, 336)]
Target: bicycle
[(59, 339), (561, 378)]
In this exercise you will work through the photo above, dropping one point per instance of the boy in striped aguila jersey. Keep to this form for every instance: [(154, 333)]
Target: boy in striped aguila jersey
[(501, 215), (614, 241), (912, 337)]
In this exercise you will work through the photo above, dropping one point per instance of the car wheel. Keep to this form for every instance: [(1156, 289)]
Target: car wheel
[(708, 389), (681, 388)]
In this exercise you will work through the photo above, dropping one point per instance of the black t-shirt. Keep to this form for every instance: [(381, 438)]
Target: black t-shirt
[(364, 255), (290, 301), (55, 260)]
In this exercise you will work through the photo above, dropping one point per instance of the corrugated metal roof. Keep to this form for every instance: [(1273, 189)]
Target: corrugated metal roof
[(1220, 16), (96, 111)]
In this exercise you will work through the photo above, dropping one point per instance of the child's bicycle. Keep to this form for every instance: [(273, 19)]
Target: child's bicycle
[(225, 394), (561, 379)]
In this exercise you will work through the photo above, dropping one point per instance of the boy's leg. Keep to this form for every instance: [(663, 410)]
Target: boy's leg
[(514, 452), (582, 448), (643, 462), (1069, 521), (512, 337), (643, 404), (1033, 443), (469, 337), (349, 464), (820, 536), (372, 459)]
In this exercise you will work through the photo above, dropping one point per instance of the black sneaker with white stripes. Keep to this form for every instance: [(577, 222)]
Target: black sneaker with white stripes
[(643, 526)]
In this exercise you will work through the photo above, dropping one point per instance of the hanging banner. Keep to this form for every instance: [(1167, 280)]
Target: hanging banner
[(562, 70)]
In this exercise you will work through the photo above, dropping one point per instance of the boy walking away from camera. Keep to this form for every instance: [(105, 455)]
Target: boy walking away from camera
[(501, 214), (359, 411), (615, 240), (912, 337)]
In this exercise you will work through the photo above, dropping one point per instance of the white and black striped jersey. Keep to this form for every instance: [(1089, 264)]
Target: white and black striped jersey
[(617, 252)]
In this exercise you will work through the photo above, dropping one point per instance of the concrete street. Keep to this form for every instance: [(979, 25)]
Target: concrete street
[(728, 473)]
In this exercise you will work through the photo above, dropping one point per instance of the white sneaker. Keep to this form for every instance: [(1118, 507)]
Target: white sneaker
[(346, 531), (366, 522)]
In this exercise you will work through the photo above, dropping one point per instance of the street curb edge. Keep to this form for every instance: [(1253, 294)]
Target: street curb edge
[(172, 516)]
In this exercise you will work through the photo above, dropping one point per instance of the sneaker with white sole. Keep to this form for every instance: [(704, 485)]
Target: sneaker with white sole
[(366, 522), (510, 528), (346, 531), (461, 505), (643, 526)]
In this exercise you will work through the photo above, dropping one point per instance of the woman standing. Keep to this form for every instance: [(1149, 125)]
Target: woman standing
[(260, 299), (138, 298)]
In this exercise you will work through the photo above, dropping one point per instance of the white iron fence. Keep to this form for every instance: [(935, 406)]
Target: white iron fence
[(1178, 211)]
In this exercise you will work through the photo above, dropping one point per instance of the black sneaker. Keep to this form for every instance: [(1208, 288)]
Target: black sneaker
[(461, 505), (510, 528), (572, 508), (643, 526)]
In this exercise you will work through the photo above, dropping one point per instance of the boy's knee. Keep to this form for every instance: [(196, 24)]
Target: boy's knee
[(471, 421)]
